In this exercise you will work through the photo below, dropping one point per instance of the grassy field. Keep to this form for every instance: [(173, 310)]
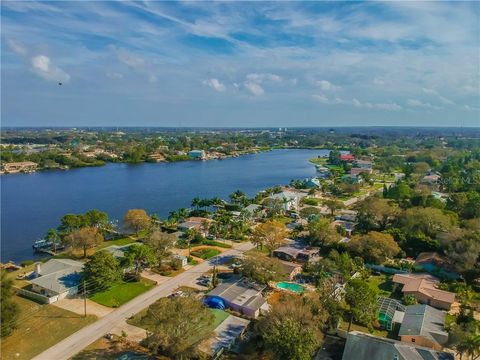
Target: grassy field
[(121, 293), (382, 284), (205, 253), (41, 327), (118, 242)]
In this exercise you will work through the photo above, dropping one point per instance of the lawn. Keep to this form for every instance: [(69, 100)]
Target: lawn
[(41, 327), (357, 327), (382, 284), (205, 253), (118, 242), (121, 293)]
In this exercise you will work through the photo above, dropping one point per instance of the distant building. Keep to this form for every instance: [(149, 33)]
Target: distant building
[(17, 167), (357, 171), (347, 157), (183, 259), (289, 200), (424, 288), (312, 183), (323, 172), (361, 346), (362, 164), (197, 154), (424, 326)]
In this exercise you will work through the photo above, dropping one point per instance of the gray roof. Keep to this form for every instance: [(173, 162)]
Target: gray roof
[(252, 208), (59, 275), (240, 293), (226, 333), (426, 321), (361, 346)]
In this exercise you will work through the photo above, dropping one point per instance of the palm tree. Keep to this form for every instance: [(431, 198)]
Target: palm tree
[(182, 214), (54, 237), (196, 202)]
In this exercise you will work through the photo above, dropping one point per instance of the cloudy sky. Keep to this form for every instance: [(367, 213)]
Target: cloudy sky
[(240, 64)]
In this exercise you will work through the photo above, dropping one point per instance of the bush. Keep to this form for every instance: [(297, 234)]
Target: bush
[(176, 264), (26, 263)]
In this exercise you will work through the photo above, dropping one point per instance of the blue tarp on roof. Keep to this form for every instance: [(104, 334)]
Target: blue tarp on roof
[(215, 302)]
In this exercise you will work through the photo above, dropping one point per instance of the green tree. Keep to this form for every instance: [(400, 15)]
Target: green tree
[(262, 269), (270, 234), (361, 300), (333, 205), (176, 326), (374, 247), (54, 237), (376, 214), (96, 218), (291, 330), (321, 233), (139, 257), (9, 309), (101, 271), (161, 243)]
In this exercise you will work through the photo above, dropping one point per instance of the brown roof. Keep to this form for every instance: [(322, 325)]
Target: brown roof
[(425, 284)]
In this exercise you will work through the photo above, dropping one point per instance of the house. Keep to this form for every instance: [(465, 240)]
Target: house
[(435, 263), (351, 179), (241, 296), (361, 346), (197, 154), (292, 253), (254, 211), (424, 326), (193, 222), (157, 157), (312, 183), (362, 164), (424, 288), (56, 279), (289, 200), (357, 171), (323, 172), (347, 225), (347, 157), (16, 167), (291, 269), (431, 180)]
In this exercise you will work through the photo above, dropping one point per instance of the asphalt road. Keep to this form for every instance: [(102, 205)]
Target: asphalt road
[(84, 337)]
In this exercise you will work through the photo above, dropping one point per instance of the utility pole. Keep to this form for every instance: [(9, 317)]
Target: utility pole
[(84, 299)]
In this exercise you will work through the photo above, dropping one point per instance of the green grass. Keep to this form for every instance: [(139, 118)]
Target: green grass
[(121, 293), (357, 327), (205, 253), (216, 243), (382, 284), (220, 316), (43, 328), (118, 242), (311, 201), (283, 219), (318, 161)]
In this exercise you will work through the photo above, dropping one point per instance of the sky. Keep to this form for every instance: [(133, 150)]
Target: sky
[(240, 64)]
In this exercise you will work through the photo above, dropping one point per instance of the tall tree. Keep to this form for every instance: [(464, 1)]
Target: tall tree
[(54, 237), (362, 302), (139, 257), (333, 205), (101, 271), (376, 214), (84, 239), (9, 309), (321, 233), (161, 243), (270, 234), (374, 247), (262, 269), (137, 219), (176, 326)]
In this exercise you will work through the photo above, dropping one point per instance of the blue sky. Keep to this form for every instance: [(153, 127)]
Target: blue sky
[(240, 63)]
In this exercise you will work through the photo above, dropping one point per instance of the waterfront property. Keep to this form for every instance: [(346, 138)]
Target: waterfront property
[(197, 154), (424, 288), (240, 295), (17, 167), (54, 280)]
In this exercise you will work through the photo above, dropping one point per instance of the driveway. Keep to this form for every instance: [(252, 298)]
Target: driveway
[(73, 344), (77, 306)]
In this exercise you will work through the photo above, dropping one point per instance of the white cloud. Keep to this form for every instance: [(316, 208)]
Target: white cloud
[(446, 100), (42, 66), (327, 85), (420, 104), (378, 81), (152, 78), (115, 75), (17, 47), (440, 97), (254, 88), (471, 108), (259, 78), (214, 84), (357, 103), (430, 91)]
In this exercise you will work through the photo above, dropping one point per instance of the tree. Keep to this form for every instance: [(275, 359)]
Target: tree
[(139, 257), (270, 234), (176, 326), (429, 221), (262, 269), (84, 239), (376, 214), (322, 233), (291, 330), (333, 205), (96, 218), (54, 237), (374, 247), (137, 219), (361, 300), (70, 223), (101, 271), (9, 309), (161, 243), (309, 211)]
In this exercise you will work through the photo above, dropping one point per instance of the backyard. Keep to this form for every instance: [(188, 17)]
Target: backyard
[(205, 253), (40, 327), (382, 284), (120, 293)]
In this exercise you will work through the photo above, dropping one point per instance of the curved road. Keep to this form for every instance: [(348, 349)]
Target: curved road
[(76, 342)]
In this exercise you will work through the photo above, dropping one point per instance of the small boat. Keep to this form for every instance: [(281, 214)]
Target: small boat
[(42, 244)]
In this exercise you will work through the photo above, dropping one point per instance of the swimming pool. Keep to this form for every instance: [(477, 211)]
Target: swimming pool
[(296, 288)]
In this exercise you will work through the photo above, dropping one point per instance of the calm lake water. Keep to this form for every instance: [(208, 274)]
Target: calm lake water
[(33, 203)]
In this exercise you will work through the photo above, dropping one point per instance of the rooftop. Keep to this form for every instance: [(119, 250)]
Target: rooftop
[(240, 292), (425, 284), (59, 275)]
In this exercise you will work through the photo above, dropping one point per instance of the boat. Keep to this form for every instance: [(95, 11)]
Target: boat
[(42, 244)]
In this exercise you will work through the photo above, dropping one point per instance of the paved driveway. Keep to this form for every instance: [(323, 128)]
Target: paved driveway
[(82, 338), (78, 307)]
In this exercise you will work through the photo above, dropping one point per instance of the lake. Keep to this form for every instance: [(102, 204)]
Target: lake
[(33, 203)]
